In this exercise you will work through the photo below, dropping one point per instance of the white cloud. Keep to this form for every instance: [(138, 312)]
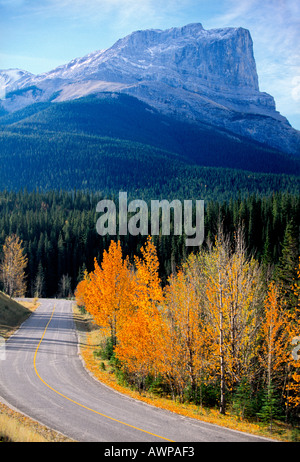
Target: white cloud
[(274, 23), (296, 88), (129, 14), (275, 29), (97, 9)]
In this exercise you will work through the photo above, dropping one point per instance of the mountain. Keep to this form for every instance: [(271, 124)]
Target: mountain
[(10, 77), (123, 117), (175, 113), (113, 142), (188, 74)]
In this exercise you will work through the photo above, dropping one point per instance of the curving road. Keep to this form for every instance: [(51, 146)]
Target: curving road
[(43, 376)]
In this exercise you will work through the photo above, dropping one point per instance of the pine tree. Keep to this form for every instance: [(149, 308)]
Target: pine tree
[(242, 403), (286, 271), (270, 409)]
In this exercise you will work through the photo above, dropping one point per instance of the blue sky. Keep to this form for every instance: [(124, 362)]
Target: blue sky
[(38, 35)]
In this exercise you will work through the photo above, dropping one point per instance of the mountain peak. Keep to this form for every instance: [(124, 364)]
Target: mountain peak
[(206, 76), (193, 27), (10, 76), (189, 56)]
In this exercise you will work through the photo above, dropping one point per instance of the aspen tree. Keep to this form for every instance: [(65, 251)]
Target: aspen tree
[(109, 295), (81, 291), (232, 293), (244, 294), (217, 309), (274, 348), (140, 336), (293, 327), (12, 268), (184, 351), (274, 355)]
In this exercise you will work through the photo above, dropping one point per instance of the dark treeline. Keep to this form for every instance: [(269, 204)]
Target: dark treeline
[(59, 234), (68, 161)]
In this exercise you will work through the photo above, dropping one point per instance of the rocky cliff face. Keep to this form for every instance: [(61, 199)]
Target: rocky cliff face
[(190, 73)]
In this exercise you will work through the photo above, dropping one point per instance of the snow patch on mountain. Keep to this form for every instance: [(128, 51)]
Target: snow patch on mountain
[(188, 72), (80, 89)]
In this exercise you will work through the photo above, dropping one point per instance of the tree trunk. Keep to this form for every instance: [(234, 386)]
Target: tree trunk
[(221, 350), (222, 367)]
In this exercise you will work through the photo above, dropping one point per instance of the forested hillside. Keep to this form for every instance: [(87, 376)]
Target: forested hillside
[(59, 234), (67, 162), (111, 142)]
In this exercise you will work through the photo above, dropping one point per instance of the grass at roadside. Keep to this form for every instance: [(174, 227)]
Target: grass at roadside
[(12, 431), (90, 336), (13, 313), (14, 426)]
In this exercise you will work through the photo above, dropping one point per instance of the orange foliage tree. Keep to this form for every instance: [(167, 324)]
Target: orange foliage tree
[(274, 352), (81, 291), (108, 292), (293, 327), (185, 339), (212, 322), (139, 339), (279, 332)]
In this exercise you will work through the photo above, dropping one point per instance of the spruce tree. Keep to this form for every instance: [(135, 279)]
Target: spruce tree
[(286, 270), (270, 409)]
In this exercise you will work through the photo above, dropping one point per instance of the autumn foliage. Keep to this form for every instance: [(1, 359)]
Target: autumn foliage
[(12, 267), (217, 325), (107, 293)]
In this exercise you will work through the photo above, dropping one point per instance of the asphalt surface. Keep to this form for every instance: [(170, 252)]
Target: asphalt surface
[(43, 376)]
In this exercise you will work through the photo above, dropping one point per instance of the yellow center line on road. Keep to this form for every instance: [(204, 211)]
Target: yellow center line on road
[(79, 404)]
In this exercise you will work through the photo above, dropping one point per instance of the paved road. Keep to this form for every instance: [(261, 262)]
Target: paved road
[(43, 377)]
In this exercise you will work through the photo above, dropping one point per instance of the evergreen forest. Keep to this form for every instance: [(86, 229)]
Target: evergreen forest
[(59, 235)]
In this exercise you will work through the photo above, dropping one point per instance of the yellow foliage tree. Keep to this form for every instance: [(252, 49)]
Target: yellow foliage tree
[(12, 268), (211, 322), (232, 291), (243, 297)]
